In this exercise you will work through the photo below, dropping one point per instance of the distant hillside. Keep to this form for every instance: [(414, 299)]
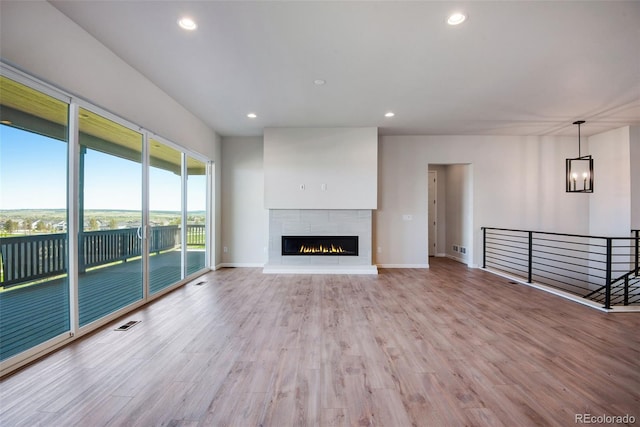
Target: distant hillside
[(27, 221)]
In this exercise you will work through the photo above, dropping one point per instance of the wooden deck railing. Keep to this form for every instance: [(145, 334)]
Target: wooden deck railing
[(106, 246), (196, 235), (27, 258)]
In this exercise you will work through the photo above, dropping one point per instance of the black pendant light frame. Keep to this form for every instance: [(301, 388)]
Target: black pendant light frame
[(579, 177)]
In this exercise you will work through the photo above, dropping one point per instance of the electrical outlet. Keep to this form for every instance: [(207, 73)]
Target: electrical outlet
[(455, 248), (463, 250), (225, 249), (379, 249)]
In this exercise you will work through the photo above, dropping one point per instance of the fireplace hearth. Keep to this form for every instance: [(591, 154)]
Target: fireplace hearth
[(320, 245)]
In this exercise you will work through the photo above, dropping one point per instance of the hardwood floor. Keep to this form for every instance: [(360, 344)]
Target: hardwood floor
[(448, 346)]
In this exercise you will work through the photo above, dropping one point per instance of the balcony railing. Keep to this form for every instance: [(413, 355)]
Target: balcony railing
[(27, 258), (602, 269)]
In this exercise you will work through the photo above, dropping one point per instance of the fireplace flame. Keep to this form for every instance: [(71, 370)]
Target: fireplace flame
[(322, 249)]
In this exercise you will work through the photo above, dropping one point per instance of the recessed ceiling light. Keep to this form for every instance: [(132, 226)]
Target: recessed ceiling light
[(6, 122), (187, 23), (456, 18), (319, 82), (390, 114), (252, 115)]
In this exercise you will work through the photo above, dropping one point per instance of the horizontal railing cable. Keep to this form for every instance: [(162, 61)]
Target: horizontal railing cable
[(604, 269)]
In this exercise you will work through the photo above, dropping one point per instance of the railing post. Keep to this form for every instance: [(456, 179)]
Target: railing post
[(637, 251), (530, 269), (82, 259), (484, 247), (626, 290), (607, 296), (123, 240)]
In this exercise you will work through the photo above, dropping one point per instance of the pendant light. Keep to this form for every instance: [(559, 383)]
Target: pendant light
[(579, 170)]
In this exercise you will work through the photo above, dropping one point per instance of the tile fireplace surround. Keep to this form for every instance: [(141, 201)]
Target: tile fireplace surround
[(320, 222)]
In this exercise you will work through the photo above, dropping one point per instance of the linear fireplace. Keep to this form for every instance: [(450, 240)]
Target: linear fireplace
[(320, 245), (320, 241)]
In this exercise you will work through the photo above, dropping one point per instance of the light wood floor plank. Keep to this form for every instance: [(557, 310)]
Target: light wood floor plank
[(447, 346)]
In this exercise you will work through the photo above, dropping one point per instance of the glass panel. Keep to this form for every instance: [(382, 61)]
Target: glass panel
[(196, 214), (110, 217), (34, 292), (165, 207)]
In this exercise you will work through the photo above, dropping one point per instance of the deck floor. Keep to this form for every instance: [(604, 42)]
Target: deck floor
[(448, 346), (30, 315)]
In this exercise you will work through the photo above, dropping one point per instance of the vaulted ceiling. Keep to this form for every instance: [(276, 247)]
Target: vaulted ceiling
[(512, 68)]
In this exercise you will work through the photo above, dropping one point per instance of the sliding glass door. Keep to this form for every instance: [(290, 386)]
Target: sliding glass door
[(96, 217), (110, 217), (34, 285), (165, 216), (196, 214)]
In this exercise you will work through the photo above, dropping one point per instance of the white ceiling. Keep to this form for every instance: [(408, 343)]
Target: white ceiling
[(513, 68)]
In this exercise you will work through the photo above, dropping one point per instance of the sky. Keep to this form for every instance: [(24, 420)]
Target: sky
[(33, 175)]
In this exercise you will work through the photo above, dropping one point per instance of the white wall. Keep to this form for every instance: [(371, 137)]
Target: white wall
[(459, 203), (634, 146), (610, 203), (518, 182), (244, 218), (345, 160), (402, 191), (42, 41)]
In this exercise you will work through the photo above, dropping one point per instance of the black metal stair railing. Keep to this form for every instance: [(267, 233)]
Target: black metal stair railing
[(625, 290), (602, 269)]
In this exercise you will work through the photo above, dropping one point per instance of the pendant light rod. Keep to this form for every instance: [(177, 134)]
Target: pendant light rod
[(579, 122)]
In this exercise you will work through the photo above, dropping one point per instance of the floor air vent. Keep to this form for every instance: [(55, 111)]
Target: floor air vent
[(198, 284), (127, 325)]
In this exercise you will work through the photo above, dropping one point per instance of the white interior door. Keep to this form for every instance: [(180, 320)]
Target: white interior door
[(432, 212)]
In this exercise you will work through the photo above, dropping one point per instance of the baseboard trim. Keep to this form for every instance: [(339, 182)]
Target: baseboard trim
[(455, 258), (403, 265), (239, 265), (557, 292)]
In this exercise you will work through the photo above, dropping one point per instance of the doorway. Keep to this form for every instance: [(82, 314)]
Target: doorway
[(450, 211)]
